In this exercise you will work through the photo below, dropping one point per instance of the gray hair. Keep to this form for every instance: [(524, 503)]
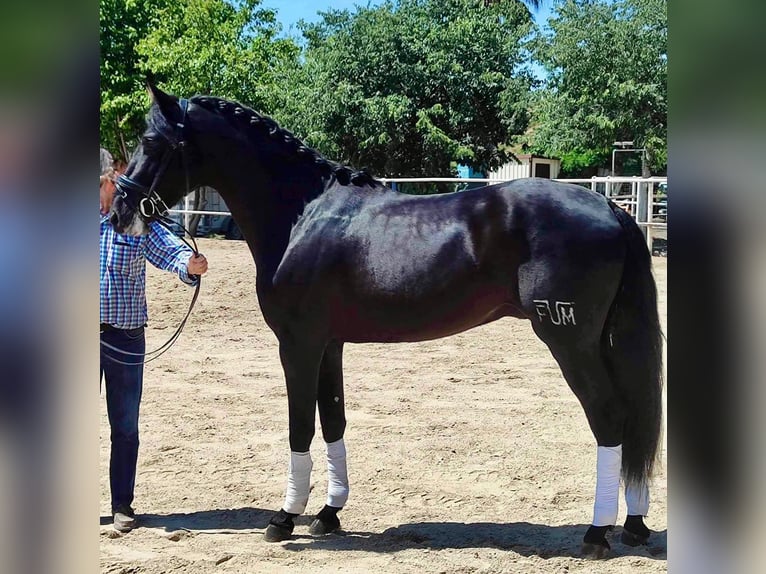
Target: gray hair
[(107, 162), (107, 167)]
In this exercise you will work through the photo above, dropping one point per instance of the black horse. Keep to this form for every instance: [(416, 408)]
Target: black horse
[(342, 258)]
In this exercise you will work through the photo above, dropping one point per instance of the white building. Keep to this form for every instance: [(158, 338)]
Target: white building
[(528, 165)]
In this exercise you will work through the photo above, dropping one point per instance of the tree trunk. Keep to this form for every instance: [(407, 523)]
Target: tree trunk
[(124, 149), (200, 202)]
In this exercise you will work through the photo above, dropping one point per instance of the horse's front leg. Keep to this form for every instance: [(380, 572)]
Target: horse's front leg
[(332, 415), (300, 361)]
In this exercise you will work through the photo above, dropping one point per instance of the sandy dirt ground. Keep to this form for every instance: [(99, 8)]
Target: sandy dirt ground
[(467, 454)]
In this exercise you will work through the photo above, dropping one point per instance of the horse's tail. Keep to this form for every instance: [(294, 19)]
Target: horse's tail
[(632, 347)]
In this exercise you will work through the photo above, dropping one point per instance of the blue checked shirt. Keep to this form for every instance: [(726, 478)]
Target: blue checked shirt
[(123, 271)]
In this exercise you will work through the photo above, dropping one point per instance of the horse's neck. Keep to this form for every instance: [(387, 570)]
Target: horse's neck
[(266, 211), (265, 192)]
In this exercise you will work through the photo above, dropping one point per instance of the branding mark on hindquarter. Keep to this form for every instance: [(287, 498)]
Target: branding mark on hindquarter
[(561, 314)]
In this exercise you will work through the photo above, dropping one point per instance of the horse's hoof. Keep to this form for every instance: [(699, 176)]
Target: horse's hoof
[(594, 544), (326, 522), (276, 533), (595, 551), (280, 527), (635, 532), (632, 539), (319, 528)]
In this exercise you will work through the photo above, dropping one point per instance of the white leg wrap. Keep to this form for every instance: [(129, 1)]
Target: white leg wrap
[(298, 482), (637, 498), (608, 464), (337, 474)]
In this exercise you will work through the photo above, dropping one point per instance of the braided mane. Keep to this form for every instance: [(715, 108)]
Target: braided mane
[(244, 118)]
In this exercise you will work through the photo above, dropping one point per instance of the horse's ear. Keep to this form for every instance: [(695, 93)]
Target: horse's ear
[(168, 104)]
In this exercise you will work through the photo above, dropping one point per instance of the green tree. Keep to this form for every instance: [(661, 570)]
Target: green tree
[(124, 23), (607, 81), (231, 50), (190, 46), (411, 87)]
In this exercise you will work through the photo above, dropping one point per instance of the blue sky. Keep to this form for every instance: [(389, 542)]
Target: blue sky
[(290, 11)]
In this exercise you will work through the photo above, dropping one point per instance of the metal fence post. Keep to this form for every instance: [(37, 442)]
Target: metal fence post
[(642, 203), (650, 215), (187, 217)]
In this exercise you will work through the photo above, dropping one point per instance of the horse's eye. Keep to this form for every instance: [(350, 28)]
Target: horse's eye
[(149, 141)]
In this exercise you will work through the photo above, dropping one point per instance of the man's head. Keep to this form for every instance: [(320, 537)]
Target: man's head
[(106, 182)]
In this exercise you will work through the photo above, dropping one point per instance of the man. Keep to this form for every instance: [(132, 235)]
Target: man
[(123, 317)]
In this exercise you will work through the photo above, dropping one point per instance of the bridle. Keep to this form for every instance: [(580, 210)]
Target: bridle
[(151, 207)]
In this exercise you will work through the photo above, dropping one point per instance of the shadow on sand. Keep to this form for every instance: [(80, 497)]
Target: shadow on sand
[(523, 538), (244, 519)]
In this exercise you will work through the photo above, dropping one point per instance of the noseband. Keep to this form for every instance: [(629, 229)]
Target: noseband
[(150, 206)]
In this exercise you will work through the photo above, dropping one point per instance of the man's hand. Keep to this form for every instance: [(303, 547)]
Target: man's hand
[(197, 265)]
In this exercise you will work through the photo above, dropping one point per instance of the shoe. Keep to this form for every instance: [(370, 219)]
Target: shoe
[(124, 519)]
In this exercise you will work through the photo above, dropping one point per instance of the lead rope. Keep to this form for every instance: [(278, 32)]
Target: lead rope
[(156, 353)]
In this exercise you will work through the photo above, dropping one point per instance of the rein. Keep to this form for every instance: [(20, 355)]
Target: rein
[(151, 207)]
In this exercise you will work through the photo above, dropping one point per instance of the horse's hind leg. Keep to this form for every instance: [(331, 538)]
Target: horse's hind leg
[(585, 372), (605, 411), (568, 301), (332, 415), (588, 377)]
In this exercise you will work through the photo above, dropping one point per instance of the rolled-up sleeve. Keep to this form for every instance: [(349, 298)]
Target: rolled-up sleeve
[(167, 252)]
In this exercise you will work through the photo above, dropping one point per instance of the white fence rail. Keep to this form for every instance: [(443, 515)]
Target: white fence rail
[(645, 198)]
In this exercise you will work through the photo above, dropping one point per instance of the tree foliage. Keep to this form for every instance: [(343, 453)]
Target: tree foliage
[(407, 87), (411, 87), (607, 81), (124, 23), (190, 46), (217, 47)]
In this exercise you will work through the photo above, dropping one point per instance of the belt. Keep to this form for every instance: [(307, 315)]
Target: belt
[(106, 327)]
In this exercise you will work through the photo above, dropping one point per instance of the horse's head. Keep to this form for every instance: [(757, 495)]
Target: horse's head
[(162, 168)]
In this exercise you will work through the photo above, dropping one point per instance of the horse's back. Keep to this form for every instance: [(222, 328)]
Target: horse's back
[(556, 211)]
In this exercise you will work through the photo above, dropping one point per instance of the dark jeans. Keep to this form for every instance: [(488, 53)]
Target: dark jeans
[(124, 384)]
